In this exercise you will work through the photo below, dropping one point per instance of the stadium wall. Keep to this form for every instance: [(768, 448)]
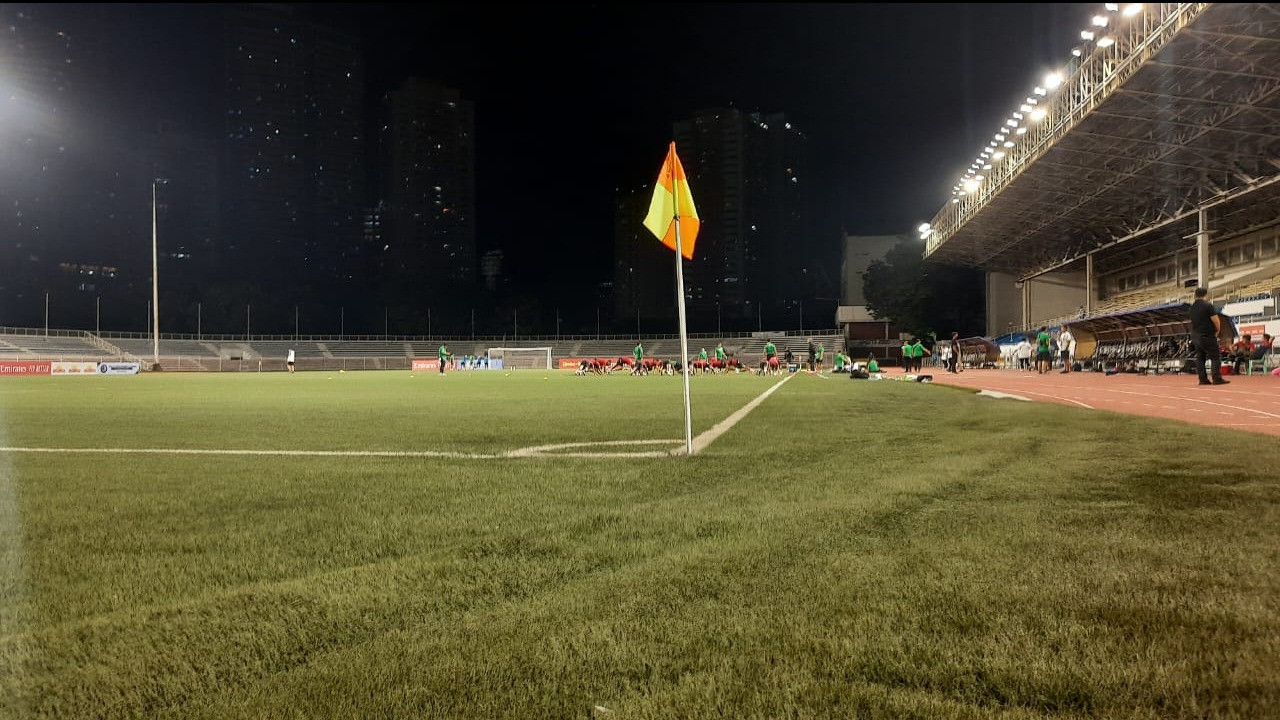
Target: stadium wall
[(1054, 295)]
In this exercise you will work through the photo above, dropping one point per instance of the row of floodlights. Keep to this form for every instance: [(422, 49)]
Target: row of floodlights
[(1030, 111)]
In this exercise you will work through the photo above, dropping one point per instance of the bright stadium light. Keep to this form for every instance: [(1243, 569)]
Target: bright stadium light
[(999, 155), (1053, 80), (1086, 34), (987, 166), (970, 185), (1038, 114), (1008, 143), (1101, 20), (1076, 52), (1112, 7), (1106, 41), (1132, 9), (923, 229), (999, 138), (1026, 107), (1041, 91), (1020, 131)]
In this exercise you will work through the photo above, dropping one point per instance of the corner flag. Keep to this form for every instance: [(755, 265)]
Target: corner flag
[(671, 199)]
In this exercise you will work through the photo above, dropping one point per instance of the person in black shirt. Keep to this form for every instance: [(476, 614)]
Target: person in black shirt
[(1205, 325)]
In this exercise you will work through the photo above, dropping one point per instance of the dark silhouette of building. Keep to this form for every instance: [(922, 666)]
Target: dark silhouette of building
[(748, 173), (428, 147), (644, 271), (293, 192)]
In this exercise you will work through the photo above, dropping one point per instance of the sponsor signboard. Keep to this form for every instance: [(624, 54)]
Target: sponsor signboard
[(67, 367), (425, 364), (24, 367), (118, 368), (570, 363)]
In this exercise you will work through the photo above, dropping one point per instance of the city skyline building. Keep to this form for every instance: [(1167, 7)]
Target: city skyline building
[(428, 157)]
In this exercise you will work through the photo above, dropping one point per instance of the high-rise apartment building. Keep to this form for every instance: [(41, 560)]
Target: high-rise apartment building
[(747, 172), (428, 147), (293, 167)]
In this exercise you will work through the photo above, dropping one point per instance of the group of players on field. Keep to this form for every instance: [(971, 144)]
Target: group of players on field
[(770, 363)]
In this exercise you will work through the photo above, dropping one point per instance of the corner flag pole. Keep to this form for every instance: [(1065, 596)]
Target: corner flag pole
[(684, 337)]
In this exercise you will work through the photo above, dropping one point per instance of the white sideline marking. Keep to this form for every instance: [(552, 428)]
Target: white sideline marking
[(550, 450), (998, 394), (286, 453), (676, 447), (701, 442)]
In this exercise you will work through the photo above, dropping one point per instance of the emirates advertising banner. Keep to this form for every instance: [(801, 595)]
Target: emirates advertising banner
[(16, 368)]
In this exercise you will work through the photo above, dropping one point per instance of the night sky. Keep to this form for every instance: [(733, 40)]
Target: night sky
[(577, 101)]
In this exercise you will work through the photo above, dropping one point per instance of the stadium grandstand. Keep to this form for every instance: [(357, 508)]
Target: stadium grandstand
[(1147, 166), (238, 353)]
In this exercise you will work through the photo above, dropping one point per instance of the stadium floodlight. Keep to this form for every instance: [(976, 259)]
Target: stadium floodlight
[(1101, 20), (1076, 51), (1086, 34), (1106, 41), (987, 166), (1020, 131), (1000, 137), (1111, 6), (999, 155), (1026, 107), (1011, 123), (1038, 114), (1053, 80), (1132, 9), (1008, 143), (970, 185), (1041, 91)]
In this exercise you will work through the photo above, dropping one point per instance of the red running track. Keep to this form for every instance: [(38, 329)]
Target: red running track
[(1249, 402)]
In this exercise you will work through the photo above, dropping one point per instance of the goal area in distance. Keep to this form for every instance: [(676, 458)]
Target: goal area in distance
[(525, 358)]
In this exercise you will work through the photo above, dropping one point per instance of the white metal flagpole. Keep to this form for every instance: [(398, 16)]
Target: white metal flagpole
[(155, 282), (684, 337)]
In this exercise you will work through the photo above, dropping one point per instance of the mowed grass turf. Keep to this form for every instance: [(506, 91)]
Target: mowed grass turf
[(850, 549)]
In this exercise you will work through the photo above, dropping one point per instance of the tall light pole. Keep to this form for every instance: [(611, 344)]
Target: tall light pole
[(801, 317), (97, 315), (155, 275), (247, 314), (46, 313)]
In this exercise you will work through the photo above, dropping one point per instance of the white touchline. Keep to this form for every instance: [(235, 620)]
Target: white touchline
[(699, 443), (286, 453)]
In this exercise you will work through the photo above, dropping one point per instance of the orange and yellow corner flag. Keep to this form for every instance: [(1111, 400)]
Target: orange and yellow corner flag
[(671, 198)]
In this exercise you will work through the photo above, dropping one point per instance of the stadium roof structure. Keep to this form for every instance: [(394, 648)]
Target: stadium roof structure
[(1162, 320), (1168, 118)]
